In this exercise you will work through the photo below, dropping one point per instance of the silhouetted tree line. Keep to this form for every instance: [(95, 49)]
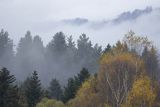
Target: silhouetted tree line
[(30, 92), (128, 74), (60, 58)]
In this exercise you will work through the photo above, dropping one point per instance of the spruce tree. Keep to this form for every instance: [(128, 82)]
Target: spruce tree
[(107, 49), (55, 90), (83, 75), (74, 84), (71, 53), (151, 62), (23, 61), (57, 46), (69, 90), (87, 54), (8, 89), (33, 90), (6, 50)]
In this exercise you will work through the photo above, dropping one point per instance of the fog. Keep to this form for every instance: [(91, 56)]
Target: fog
[(60, 58), (145, 24), (45, 19)]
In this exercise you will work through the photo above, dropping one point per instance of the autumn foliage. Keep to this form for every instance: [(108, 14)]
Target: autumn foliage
[(116, 76), (142, 93), (127, 76)]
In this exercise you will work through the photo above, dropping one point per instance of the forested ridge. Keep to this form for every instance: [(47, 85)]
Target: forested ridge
[(66, 73), (62, 57)]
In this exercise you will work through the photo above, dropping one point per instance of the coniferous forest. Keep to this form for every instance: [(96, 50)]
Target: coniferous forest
[(68, 73)]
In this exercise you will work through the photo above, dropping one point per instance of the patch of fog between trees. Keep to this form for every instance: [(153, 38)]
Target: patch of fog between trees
[(60, 59)]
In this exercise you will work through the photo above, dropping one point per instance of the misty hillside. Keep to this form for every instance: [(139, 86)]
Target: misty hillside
[(79, 53), (60, 59), (63, 74), (125, 16)]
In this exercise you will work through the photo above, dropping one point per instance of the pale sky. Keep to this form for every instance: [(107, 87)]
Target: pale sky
[(62, 9), (18, 16)]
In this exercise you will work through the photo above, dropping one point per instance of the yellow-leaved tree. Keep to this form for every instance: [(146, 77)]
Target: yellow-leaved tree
[(142, 93), (87, 96), (45, 102), (117, 73)]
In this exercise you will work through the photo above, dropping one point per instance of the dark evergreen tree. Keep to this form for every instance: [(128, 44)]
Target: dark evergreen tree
[(22, 96), (55, 90), (38, 44), (30, 55), (8, 90), (97, 51), (33, 90), (23, 57), (84, 46), (25, 44), (81, 78), (107, 49), (38, 55), (56, 57), (6, 50), (87, 55), (69, 90), (70, 56), (145, 52), (83, 75), (71, 43), (37, 51), (94, 59), (74, 84), (58, 45), (151, 62)]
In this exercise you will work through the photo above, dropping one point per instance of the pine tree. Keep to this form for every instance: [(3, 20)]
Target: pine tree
[(74, 84), (38, 54), (33, 90), (55, 52), (69, 90), (83, 75), (37, 51), (58, 45), (24, 62), (84, 47), (22, 94), (6, 50), (8, 91), (107, 49), (55, 90), (71, 43), (25, 44), (151, 62), (70, 54), (80, 79), (87, 54)]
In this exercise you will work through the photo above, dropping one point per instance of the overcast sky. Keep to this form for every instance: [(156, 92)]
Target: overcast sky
[(39, 16)]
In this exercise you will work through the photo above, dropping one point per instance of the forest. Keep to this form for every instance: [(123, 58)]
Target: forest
[(65, 73)]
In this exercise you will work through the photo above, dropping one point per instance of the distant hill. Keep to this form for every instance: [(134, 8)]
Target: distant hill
[(132, 15), (76, 21), (125, 16)]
